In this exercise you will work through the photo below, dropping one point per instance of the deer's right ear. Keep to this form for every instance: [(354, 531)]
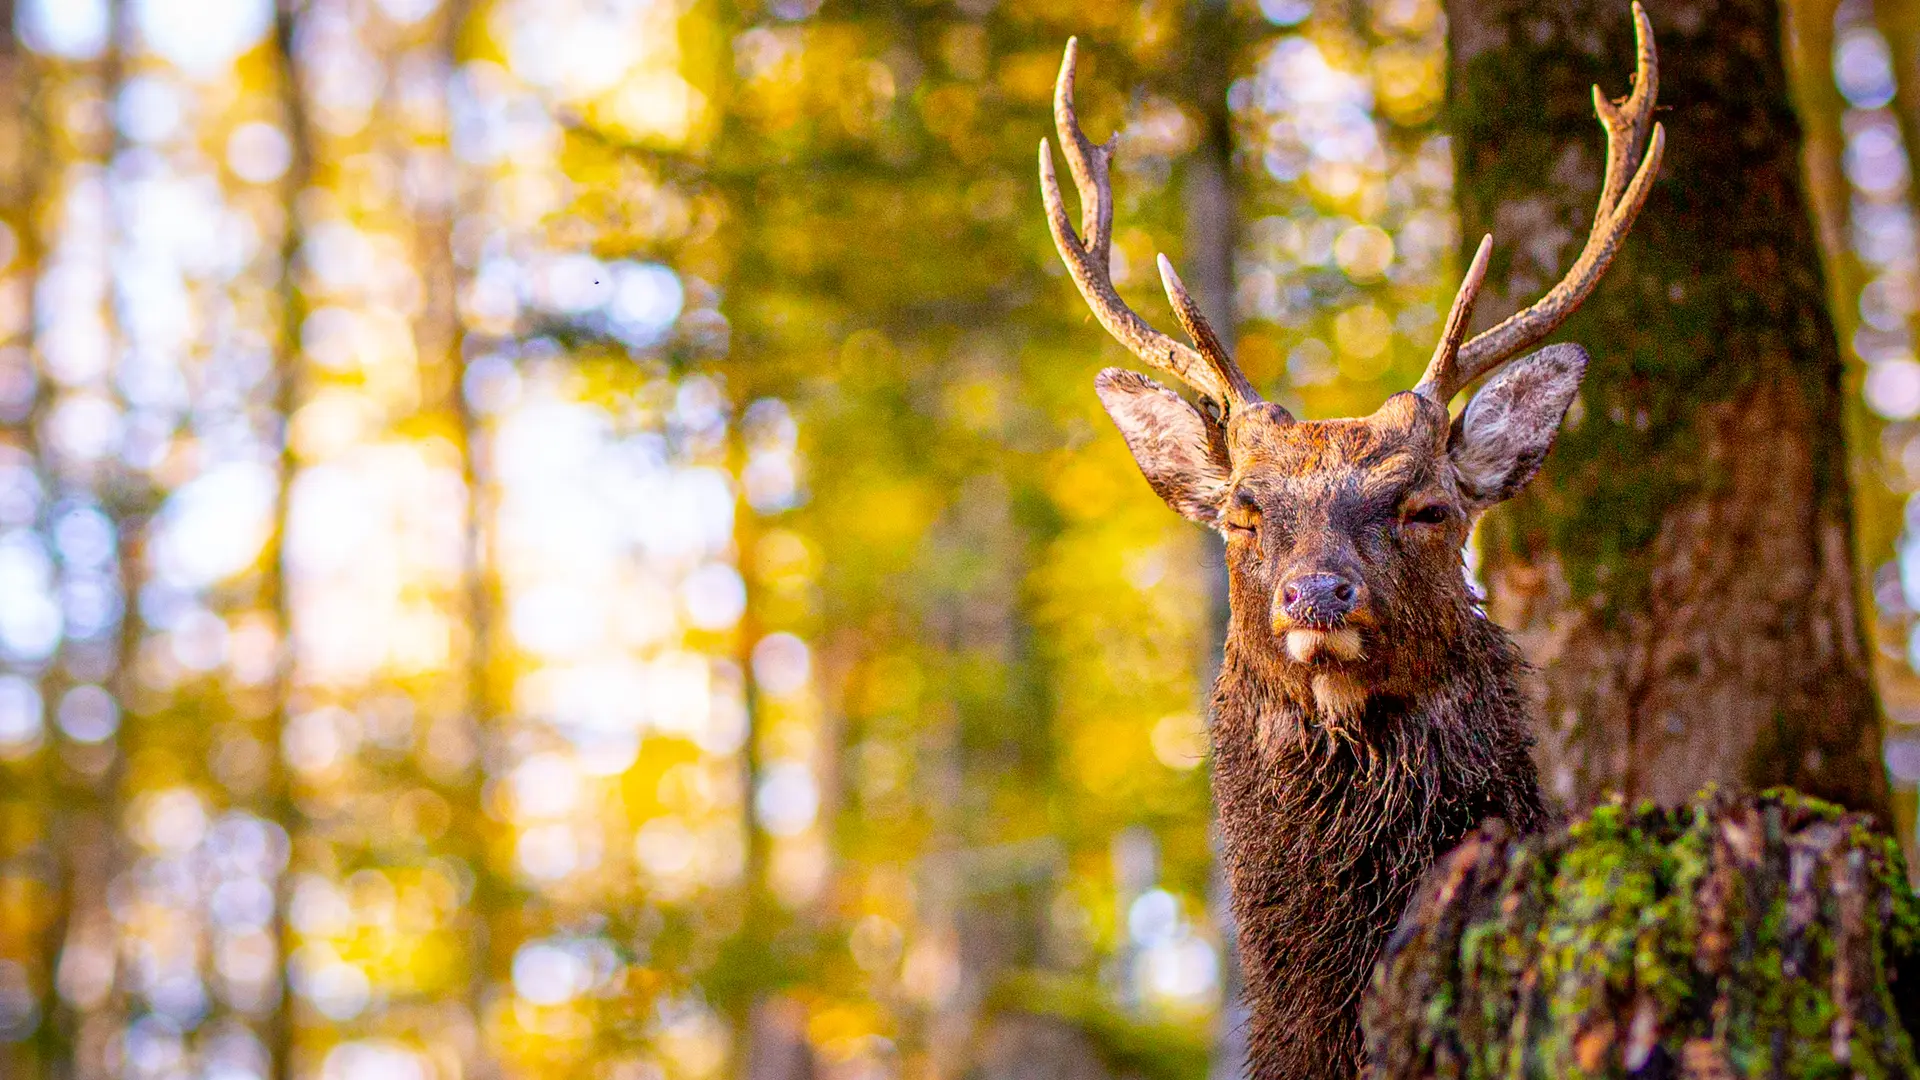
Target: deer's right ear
[(1182, 454)]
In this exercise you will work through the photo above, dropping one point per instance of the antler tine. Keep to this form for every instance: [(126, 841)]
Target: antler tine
[(1629, 178), (1089, 263), (1240, 392), (1087, 162), (1627, 122), (1442, 379)]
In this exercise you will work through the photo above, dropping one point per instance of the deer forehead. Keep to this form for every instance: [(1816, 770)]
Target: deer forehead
[(1331, 457)]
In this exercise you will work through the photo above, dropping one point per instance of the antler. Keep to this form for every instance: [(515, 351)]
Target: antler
[(1209, 370), (1632, 160)]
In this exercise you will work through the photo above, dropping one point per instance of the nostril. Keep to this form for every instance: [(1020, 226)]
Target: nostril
[(1319, 599)]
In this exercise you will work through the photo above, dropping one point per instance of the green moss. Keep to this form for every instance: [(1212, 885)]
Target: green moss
[(1635, 935)]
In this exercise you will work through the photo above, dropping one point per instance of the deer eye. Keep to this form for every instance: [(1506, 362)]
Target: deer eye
[(1243, 518), (1430, 514)]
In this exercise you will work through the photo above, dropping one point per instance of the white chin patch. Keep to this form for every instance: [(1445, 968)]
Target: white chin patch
[(1341, 699), (1303, 645)]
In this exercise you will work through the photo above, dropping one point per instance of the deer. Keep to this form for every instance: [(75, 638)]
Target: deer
[(1367, 714)]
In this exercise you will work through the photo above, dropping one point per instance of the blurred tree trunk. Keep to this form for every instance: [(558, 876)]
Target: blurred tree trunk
[(1879, 511), (32, 861), (1026, 1047), (93, 799), (1809, 44), (288, 392), (1683, 572), (777, 1047), (1819, 106), (441, 343), (1899, 20), (1213, 220)]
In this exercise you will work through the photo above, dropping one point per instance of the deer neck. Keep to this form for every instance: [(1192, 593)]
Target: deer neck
[(1330, 816)]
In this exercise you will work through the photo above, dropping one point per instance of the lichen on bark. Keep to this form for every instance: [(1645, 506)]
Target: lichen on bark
[(1774, 936)]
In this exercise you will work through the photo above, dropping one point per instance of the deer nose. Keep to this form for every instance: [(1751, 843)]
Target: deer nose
[(1318, 599)]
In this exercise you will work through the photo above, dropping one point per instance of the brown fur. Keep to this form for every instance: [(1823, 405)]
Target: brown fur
[(1329, 819)]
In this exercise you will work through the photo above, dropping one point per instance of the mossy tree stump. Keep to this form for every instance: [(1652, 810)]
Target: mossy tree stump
[(1767, 937)]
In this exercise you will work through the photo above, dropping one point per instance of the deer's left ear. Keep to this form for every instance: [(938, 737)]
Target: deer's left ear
[(1182, 454), (1499, 441)]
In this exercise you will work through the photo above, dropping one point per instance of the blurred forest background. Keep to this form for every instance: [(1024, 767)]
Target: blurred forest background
[(584, 527)]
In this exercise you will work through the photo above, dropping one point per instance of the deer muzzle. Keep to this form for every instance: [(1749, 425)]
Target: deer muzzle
[(1305, 644), (1315, 612), (1319, 601)]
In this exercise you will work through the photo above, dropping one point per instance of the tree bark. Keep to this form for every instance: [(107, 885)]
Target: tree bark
[(1759, 937), (1683, 572)]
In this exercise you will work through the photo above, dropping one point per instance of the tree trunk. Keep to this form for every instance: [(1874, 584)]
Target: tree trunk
[(1760, 937), (288, 394), (776, 1045), (1899, 20), (1026, 1047), (1683, 573), (1213, 218)]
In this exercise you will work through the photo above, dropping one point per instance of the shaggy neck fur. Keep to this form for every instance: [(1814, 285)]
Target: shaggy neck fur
[(1332, 805)]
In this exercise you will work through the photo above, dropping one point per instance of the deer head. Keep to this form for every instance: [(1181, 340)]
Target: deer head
[(1343, 537)]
